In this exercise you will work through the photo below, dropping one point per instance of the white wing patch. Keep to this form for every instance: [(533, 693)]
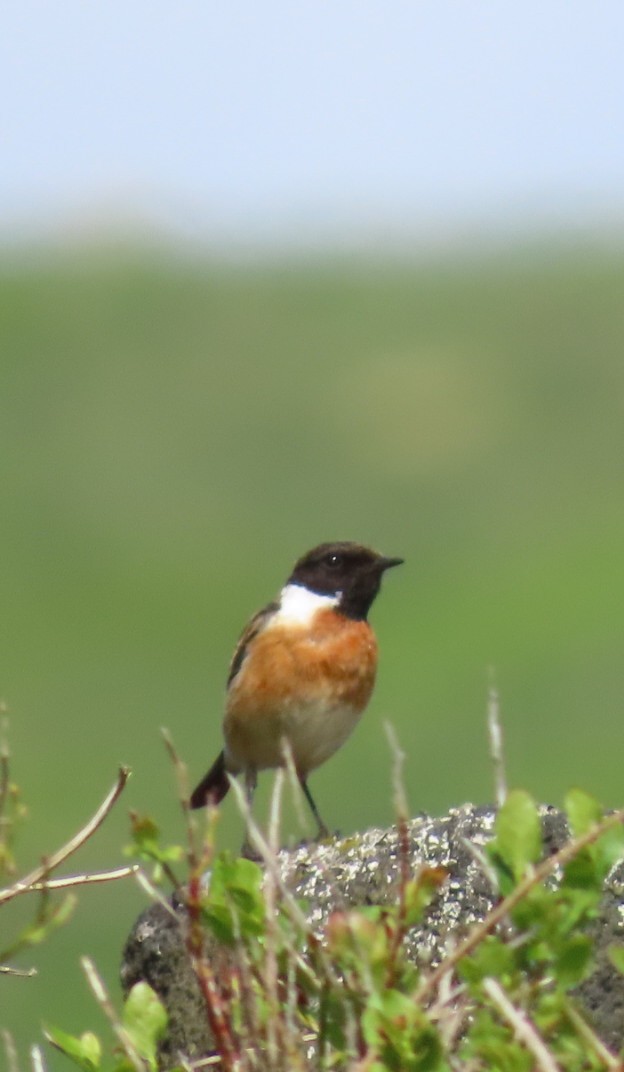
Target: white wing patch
[(298, 605)]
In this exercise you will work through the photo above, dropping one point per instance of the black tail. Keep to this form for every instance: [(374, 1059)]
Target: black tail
[(213, 786)]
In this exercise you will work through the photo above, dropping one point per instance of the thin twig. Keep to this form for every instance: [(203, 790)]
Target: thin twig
[(610, 1060), (523, 1027), (101, 996), (401, 810), (481, 860), (288, 901), (216, 1009), (248, 979), (35, 877), (498, 913), (270, 860), (449, 1012), (295, 785), (5, 780), (214, 1060), (495, 734), (21, 973), (153, 892), (179, 767), (258, 842), (181, 775), (85, 879), (282, 1037), (272, 937), (10, 1051), (36, 1057)]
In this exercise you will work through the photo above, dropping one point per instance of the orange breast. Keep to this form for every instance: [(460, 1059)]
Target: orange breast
[(308, 683)]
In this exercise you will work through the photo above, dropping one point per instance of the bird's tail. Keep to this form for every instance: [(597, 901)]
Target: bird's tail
[(213, 786)]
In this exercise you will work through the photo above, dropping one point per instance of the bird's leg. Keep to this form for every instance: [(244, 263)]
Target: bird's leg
[(251, 780), (323, 832)]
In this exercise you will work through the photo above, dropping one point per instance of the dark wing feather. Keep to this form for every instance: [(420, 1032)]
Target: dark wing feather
[(253, 627), (214, 785)]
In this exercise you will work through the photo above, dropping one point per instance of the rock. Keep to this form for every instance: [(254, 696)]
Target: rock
[(365, 870)]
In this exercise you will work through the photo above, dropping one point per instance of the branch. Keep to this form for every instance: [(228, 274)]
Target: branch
[(102, 997), (37, 878), (4, 777), (609, 1059), (495, 734), (84, 880), (523, 1028), (10, 1050)]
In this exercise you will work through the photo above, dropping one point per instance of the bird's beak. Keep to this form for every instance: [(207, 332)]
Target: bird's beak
[(387, 563)]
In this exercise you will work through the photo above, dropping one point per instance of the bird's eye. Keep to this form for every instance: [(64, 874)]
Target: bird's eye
[(334, 560)]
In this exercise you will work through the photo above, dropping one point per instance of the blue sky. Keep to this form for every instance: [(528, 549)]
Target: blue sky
[(272, 118)]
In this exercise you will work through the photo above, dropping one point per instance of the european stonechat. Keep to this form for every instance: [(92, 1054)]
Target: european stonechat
[(303, 671)]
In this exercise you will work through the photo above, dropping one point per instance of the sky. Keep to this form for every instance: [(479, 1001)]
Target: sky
[(309, 118)]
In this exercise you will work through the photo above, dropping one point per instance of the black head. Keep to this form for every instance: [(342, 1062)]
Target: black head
[(346, 569)]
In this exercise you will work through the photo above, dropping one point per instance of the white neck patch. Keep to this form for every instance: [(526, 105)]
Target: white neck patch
[(298, 605)]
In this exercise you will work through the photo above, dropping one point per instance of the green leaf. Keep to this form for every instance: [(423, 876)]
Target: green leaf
[(234, 903), (236, 873), (146, 844), (357, 942), (420, 891), (575, 908), (518, 840), (583, 811), (581, 873), (492, 957), (86, 1051), (609, 849), (573, 960), (400, 1031), (145, 1020), (490, 1045)]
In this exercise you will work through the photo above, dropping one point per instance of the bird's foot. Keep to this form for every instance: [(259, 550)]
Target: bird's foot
[(323, 836), (248, 852)]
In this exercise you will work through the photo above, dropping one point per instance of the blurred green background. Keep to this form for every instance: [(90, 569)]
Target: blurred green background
[(174, 433)]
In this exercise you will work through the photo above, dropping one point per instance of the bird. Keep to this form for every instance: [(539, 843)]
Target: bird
[(302, 672)]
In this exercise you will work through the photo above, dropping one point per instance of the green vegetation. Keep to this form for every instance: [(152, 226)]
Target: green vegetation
[(285, 998), (174, 434), (283, 995)]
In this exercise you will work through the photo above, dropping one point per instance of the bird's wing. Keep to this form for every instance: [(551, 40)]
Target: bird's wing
[(251, 630)]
